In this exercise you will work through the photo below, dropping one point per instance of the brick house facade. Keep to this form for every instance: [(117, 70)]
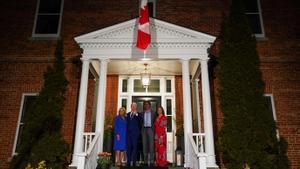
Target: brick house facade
[(24, 58)]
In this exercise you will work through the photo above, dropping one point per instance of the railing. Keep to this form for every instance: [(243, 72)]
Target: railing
[(199, 138), (88, 159), (87, 139), (197, 155)]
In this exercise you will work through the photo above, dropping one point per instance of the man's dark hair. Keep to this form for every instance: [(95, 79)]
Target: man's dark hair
[(147, 102)]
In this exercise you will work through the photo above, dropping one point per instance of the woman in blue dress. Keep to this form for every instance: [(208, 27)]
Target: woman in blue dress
[(120, 135)]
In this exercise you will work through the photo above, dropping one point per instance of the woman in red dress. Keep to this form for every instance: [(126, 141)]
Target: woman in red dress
[(160, 138)]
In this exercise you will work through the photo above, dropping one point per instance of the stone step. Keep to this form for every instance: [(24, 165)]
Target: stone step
[(141, 167), (145, 167)]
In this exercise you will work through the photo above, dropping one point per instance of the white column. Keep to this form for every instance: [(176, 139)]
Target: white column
[(197, 104), (187, 110), (208, 125), (100, 116), (78, 142)]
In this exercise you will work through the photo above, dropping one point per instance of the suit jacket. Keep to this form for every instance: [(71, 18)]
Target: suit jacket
[(133, 124), (153, 116)]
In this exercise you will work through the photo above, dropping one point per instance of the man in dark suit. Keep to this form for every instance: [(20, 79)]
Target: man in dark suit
[(133, 133), (148, 118)]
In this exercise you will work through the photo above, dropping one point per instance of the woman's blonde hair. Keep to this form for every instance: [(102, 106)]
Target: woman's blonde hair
[(122, 109)]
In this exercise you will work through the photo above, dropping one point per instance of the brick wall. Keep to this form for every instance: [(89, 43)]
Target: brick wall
[(16, 79)]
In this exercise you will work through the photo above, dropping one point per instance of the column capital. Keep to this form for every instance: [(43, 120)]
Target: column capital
[(204, 59), (184, 59), (104, 60), (85, 59)]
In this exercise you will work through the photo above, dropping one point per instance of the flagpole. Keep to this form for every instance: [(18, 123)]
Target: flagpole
[(145, 54)]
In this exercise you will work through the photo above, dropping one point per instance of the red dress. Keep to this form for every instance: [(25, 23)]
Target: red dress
[(160, 140)]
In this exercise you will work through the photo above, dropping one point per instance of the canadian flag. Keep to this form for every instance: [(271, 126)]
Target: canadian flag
[(143, 37)]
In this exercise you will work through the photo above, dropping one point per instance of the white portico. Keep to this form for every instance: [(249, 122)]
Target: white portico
[(173, 45)]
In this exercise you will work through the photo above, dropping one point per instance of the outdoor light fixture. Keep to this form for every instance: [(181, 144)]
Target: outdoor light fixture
[(145, 76)]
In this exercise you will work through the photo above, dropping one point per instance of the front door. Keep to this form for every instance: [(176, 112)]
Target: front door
[(154, 100), (160, 92)]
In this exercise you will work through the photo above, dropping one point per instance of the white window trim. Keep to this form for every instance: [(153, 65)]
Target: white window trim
[(19, 120), (128, 95), (262, 34), (274, 112), (36, 35), (273, 105)]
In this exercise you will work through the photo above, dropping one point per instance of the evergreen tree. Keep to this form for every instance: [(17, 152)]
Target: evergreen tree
[(248, 134), (41, 138)]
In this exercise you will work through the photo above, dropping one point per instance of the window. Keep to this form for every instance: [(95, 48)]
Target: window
[(151, 8), (138, 87), (124, 103), (253, 13), (27, 101), (169, 115), (153, 87), (168, 86), (48, 18), (271, 106), (124, 85)]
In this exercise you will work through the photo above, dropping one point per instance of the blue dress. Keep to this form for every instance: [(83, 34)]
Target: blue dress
[(120, 129)]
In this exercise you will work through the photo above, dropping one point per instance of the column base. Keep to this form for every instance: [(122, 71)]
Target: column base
[(213, 167), (74, 161), (211, 162)]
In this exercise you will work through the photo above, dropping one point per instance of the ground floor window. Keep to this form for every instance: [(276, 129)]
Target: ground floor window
[(27, 101), (271, 106)]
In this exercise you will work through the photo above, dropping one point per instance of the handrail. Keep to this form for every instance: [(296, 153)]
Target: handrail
[(88, 159), (199, 141), (92, 153), (191, 139), (93, 143), (87, 139), (198, 156)]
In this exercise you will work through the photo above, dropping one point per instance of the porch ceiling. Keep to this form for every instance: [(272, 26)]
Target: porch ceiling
[(157, 67)]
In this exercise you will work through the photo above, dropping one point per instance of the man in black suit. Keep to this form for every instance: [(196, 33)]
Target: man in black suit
[(133, 119)]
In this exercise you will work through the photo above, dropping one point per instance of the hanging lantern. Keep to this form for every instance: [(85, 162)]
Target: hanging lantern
[(145, 77)]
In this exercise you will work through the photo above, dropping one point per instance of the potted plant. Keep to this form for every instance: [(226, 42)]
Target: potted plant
[(104, 160), (41, 165), (108, 134), (179, 133)]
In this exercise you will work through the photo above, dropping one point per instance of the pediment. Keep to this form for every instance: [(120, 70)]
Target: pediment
[(161, 32)]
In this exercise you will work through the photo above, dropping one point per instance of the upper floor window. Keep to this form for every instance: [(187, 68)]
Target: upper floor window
[(253, 13), (48, 18), (271, 106), (151, 8), (28, 101)]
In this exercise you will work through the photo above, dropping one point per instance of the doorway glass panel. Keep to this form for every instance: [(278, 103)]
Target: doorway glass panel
[(169, 115), (138, 87), (154, 100), (154, 86), (168, 86)]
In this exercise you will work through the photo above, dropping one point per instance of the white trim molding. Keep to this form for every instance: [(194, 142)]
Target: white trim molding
[(168, 41)]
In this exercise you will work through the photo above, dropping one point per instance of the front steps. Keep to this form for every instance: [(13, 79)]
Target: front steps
[(140, 167)]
